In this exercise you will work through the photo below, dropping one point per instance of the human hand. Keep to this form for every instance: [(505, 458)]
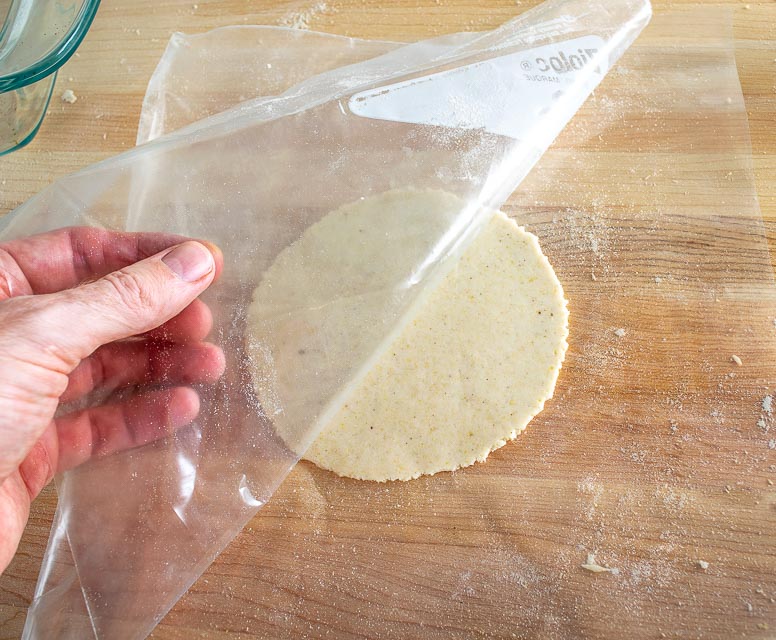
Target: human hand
[(69, 300)]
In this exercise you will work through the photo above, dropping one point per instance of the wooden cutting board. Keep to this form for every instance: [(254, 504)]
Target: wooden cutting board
[(650, 456)]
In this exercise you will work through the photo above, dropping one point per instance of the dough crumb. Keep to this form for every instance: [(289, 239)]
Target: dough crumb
[(620, 333), (658, 279), (592, 566), (703, 564), (768, 404), (68, 96), (593, 278), (736, 359)]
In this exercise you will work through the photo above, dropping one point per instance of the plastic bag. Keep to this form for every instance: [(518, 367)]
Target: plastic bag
[(134, 530), (654, 454), (201, 75)]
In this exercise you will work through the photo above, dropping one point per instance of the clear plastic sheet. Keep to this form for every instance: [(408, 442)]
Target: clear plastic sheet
[(134, 530), (656, 452)]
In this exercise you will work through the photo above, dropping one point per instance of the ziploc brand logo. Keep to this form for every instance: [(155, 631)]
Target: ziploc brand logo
[(563, 62), (528, 95)]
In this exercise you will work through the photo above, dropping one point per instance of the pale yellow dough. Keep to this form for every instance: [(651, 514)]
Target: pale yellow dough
[(475, 364)]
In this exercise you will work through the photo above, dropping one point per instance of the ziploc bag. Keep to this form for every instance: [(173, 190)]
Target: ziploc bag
[(654, 453), (467, 115), (203, 74)]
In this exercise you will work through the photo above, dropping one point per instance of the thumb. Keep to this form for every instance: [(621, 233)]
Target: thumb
[(127, 302)]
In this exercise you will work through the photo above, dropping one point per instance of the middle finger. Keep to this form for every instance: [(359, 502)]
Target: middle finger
[(119, 364)]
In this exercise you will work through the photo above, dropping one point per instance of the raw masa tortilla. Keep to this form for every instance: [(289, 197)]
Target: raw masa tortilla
[(474, 364)]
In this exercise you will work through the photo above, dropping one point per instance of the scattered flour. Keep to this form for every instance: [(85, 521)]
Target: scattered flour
[(301, 19), (464, 587), (767, 414), (594, 491), (620, 333)]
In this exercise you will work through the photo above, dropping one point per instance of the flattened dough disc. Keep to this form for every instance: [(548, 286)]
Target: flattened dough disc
[(475, 364)]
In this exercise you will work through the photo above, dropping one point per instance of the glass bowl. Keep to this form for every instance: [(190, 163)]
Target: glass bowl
[(36, 38)]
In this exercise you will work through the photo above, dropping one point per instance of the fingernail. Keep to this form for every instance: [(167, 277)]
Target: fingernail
[(190, 261)]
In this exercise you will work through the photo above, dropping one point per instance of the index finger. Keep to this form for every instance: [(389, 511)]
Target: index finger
[(64, 258)]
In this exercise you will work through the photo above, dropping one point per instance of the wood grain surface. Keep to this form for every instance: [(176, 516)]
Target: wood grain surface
[(650, 456)]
